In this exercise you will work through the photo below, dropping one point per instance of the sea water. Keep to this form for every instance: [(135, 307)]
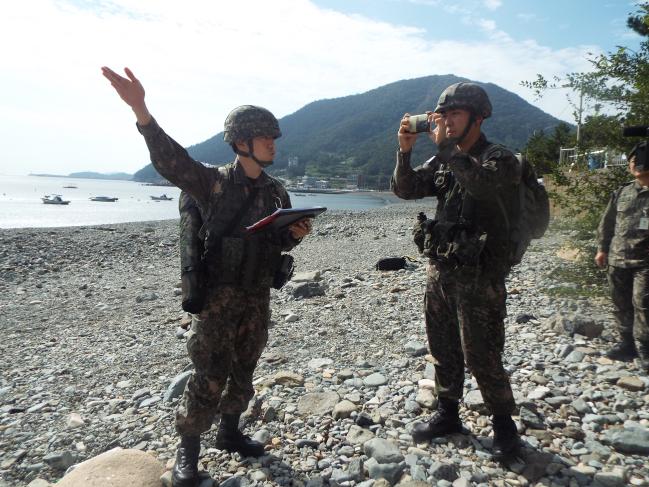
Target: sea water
[(21, 205)]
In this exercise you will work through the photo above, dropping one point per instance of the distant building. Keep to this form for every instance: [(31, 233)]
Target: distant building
[(293, 161)]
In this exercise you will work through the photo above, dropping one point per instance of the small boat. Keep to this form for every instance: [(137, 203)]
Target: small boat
[(54, 199), (163, 197), (70, 187), (108, 199), (299, 194)]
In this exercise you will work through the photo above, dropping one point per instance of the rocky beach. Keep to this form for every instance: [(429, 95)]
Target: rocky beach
[(91, 361)]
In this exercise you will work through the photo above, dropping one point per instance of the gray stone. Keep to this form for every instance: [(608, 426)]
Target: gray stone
[(60, 460), (177, 386), (318, 363), (443, 471), (375, 380), (610, 479), (389, 471), (474, 401), (358, 435), (317, 403), (628, 440), (574, 323), (383, 451), (581, 406), (306, 276), (575, 356), (531, 418), (306, 290), (426, 398), (416, 349), (344, 409)]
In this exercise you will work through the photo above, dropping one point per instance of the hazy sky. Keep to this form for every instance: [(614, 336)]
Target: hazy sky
[(198, 59)]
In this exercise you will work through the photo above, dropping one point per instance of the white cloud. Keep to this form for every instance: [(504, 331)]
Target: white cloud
[(493, 4), (198, 59)]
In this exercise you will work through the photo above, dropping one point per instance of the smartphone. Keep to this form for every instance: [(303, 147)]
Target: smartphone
[(419, 123)]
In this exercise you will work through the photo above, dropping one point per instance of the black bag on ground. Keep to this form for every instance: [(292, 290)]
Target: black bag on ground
[(391, 264)]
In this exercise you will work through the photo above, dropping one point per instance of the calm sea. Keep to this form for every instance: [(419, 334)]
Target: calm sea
[(21, 205)]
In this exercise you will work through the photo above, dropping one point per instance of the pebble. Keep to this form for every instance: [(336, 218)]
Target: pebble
[(351, 370)]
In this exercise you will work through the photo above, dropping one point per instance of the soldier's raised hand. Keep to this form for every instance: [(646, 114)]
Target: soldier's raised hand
[(406, 138), (130, 90)]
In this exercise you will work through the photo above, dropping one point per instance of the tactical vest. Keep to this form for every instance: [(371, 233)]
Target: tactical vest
[(230, 255), (467, 232)]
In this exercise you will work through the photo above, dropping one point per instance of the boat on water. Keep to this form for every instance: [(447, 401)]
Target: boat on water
[(71, 186), (54, 199), (299, 194), (108, 199), (163, 197)]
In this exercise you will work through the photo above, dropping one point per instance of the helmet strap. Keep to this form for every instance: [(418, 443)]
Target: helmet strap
[(467, 129), (251, 154)]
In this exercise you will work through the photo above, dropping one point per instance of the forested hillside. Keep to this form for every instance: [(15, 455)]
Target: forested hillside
[(356, 134)]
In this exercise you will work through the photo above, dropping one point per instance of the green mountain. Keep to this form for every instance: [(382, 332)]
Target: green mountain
[(356, 134)]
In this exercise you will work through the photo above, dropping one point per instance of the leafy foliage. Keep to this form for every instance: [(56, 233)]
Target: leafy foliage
[(619, 81)]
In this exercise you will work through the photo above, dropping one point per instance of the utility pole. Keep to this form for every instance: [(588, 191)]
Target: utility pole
[(579, 114)]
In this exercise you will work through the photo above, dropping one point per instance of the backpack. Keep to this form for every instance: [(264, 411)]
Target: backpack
[(532, 216)]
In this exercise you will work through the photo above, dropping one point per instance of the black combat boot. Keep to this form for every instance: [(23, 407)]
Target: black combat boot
[(643, 352), (444, 422), (229, 438), (185, 471), (624, 351), (505, 442)]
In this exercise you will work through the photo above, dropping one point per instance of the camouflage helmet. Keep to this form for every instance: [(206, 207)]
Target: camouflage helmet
[(468, 96), (247, 122)]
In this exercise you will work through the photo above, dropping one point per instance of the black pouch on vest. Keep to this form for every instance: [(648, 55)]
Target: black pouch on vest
[(391, 264), (194, 289), (284, 272)]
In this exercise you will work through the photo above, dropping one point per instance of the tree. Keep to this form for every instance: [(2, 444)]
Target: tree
[(620, 82)]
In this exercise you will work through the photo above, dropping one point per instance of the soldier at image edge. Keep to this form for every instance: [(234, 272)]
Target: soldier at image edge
[(230, 332), (623, 247), (470, 254)]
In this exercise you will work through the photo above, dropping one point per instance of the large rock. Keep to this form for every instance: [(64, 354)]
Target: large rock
[(629, 440), (307, 289), (573, 323), (116, 468), (317, 403), (383, 451)]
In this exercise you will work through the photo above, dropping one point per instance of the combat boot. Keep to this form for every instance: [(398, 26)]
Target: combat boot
[(624, 351), (185, 471), (505, 442), (229, 438), (445, 421)]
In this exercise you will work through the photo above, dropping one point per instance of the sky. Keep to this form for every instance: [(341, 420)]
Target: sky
[(198, 59)]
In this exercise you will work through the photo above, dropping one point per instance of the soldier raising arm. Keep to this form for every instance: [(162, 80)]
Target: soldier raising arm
[(230, 327)]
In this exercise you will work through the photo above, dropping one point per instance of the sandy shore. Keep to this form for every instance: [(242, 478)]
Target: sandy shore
[(89, 317)]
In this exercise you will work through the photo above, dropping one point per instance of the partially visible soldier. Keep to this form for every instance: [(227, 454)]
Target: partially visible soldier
[(468, 243), (229, 334), (623, 245)]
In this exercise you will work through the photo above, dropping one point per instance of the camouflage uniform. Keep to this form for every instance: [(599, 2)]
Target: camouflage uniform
[(623, 234), (230, 333), (465, 305)]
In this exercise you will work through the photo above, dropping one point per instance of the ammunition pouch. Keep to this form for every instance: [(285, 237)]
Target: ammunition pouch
[(452, 243), (284, 272), (249, 262), (193, 288)]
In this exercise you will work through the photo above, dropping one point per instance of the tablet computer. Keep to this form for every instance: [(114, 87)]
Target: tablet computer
[(285, 217)]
